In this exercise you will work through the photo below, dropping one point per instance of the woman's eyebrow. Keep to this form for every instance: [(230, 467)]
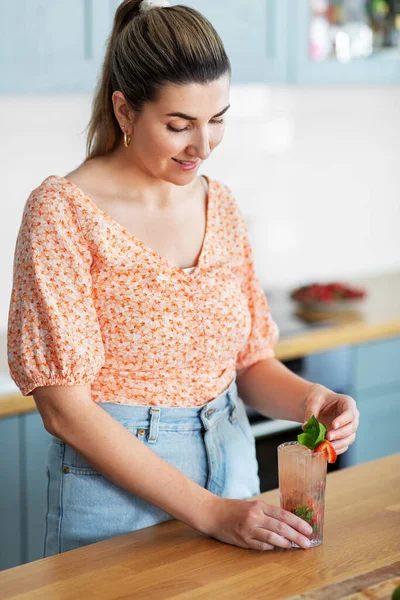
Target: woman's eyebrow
[(188, 118)]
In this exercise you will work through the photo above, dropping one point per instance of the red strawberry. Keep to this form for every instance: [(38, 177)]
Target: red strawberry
[(325, 295), (328, 449)]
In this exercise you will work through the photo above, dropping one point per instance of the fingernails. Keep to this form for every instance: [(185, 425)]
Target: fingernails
[(332, 436), (307, 544)]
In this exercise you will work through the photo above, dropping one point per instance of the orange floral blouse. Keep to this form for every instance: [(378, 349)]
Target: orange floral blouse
[(91, 303)]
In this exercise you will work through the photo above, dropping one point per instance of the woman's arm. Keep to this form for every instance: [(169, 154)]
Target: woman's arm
[(69, 413), (273, 390)]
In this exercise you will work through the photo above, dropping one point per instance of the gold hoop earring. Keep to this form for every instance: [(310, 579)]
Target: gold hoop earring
[(127, 138)]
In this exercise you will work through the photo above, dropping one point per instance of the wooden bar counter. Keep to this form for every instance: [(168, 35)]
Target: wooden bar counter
[(361, 537)]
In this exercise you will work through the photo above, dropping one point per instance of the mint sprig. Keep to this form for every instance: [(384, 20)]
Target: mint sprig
[(304, 513), (313, 434), (307, 514)]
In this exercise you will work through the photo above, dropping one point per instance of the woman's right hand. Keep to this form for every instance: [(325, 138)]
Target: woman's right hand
[(254, 524)]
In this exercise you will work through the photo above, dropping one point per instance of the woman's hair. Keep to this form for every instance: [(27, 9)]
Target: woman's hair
[(145, 51)]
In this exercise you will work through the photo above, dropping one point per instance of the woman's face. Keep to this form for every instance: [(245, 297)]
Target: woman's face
[(175, 135)]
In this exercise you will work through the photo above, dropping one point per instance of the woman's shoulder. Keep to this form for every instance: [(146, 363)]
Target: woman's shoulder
[(225, 196), (227, 204), (53, 187), (53, 203), (61, 193), (220, 188)]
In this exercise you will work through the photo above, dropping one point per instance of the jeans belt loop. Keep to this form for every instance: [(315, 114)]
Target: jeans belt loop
[(233, 416), (154, 425)]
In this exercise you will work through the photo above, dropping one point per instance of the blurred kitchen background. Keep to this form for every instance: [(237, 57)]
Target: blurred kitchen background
[(311, 152)]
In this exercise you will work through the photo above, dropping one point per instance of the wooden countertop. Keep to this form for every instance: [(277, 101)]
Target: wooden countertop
[(362, 526), (378, 318)]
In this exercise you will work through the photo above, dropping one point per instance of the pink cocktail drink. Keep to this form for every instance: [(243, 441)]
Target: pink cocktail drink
[(302, 480)]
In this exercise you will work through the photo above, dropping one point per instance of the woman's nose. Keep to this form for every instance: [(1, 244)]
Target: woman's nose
[(201, 147)]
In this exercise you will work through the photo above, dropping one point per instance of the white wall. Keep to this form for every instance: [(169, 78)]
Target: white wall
[(316, 172)]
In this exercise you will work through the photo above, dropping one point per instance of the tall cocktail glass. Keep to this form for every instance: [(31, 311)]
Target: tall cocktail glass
[(302, 481)]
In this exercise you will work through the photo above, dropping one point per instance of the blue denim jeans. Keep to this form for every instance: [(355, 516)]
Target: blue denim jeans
[(212, 444)]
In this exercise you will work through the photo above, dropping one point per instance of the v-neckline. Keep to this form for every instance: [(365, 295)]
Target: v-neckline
[(144, 246)]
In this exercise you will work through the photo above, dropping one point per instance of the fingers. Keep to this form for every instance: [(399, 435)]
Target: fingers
[(343, 432), (343, 444), (257, 545), (279, 535), (347, 416), (265, 536), (344, 429), (279, 514), (282, 527)]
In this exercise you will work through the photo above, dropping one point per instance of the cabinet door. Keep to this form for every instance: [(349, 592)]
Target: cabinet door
[(36, 443), (376, 364), (378, 432), (332, 369), (10, 494), (339, 42), (52, 45), (254, 35)]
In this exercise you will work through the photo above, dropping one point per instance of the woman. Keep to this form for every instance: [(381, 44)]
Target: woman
[(136, 316)]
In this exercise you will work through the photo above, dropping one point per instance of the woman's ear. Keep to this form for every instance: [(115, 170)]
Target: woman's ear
[(124, 114)]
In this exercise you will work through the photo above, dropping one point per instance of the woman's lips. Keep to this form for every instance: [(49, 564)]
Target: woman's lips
[(186, 165)]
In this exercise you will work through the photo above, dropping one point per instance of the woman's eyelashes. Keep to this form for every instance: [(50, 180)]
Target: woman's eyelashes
[(170, 128)]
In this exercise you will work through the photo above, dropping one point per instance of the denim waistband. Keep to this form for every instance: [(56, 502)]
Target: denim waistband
[(168, 417)]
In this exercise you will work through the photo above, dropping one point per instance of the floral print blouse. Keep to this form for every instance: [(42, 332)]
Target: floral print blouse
[(91, 303)]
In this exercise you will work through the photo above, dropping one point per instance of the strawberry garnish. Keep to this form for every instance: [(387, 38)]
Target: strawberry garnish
[(328, 449)]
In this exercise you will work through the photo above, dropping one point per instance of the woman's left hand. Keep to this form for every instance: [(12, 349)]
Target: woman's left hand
[(337, 412)]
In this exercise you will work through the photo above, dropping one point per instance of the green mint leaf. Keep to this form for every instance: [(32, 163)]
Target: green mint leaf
[(313, 434), (300, 511), (304, 513), (321, 435), (306, 439)]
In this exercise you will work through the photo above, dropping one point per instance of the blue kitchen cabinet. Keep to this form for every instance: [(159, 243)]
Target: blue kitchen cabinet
[(382, 66), (333, 368), (376, 388), (378, 432), (377, 365), (255, 36), (11, 491), (55, 46), (52, 46), (23, 489), (36, 444)]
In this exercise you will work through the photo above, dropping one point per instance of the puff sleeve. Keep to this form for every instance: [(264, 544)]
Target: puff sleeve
[(54, 336), (264, 332)]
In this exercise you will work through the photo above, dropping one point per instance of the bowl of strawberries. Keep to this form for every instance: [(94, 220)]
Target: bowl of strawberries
[(335, 296)]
